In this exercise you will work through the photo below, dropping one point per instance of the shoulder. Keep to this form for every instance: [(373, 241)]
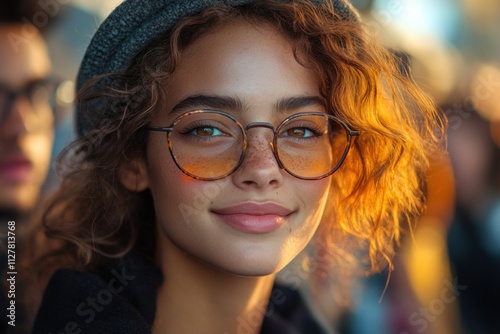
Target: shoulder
[(117, 300)]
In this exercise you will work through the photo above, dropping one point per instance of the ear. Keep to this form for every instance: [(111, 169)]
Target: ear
[(133, 175)]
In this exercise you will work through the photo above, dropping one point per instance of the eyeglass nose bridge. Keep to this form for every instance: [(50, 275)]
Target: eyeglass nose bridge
[(260, 125), (272, 143)]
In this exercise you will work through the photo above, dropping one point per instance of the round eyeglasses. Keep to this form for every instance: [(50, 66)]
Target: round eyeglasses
[(211, 144), (55, 93)]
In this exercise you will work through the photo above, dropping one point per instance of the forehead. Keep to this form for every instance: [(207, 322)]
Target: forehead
[(23, 57), (240, 34), (250, 61)]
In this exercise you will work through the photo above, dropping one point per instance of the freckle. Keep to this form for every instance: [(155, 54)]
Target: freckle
[(290, 230), (260, 153)]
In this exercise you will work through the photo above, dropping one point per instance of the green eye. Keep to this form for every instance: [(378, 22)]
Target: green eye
[(206, 131), (299, 133)]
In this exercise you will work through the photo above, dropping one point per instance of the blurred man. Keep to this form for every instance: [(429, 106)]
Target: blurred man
[(26, 137), (26, 118)]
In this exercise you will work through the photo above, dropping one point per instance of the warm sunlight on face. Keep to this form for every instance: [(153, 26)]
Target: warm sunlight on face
[(258, 219)]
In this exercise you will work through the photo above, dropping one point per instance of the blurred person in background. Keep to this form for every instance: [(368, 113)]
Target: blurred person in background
[(452, 263), (26, 115), (407, 298), (27, 128), (474, 236)]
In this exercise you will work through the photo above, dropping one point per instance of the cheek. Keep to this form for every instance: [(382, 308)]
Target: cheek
[(175, 194), (166, 181), (315, 193), (40, 147), (314, 196)]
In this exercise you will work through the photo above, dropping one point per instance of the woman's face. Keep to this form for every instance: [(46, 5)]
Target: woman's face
[(256, 220)]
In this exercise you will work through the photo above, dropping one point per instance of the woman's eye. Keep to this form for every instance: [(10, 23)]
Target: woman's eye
[(299, 133), (207, 131)]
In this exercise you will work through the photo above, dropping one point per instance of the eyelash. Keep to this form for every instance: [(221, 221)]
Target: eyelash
[(187, 131), (315, 131)]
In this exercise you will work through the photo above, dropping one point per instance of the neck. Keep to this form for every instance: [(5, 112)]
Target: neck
[(196, 298)]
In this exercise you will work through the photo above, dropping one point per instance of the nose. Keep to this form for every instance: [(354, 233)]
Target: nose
[(18, 117), (260, 168)]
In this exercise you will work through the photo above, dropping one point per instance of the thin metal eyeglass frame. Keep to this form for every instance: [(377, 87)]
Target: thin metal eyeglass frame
[(349, 132)]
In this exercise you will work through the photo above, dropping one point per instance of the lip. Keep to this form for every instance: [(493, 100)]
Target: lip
[(15, 169), (254, 218)]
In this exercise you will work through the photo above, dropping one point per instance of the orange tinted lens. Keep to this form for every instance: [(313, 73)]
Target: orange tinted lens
[(311, 146), (207, 145)]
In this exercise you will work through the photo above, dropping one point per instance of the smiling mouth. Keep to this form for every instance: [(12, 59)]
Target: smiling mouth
[(254, 218), (255, 224)]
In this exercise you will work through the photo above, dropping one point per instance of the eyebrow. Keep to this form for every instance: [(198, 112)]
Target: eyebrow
[(227, 103), (208, 102), (296, 103)]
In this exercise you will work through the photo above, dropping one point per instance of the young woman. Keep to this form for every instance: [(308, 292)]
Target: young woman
[(217, 138)]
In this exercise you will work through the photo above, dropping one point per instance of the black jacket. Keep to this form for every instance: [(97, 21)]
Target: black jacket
[(121, 300)]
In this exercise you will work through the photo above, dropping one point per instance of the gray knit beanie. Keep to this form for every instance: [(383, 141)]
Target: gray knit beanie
[(136, 23)]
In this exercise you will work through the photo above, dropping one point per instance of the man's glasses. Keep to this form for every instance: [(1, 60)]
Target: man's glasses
[(39, 93), (210, 144)]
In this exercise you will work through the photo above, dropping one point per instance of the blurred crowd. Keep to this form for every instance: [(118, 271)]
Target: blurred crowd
[(447, 272), (449, 267)]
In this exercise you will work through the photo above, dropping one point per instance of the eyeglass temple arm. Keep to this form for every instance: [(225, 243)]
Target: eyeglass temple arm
[(158, 128), (348, 129)]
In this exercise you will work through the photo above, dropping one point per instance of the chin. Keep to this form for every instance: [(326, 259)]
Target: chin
[(254, 266), (239, 256), (257, 271), (19, 206), (248, 271)]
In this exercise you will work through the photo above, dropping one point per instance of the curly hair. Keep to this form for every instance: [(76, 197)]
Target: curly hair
[(380, 185)]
